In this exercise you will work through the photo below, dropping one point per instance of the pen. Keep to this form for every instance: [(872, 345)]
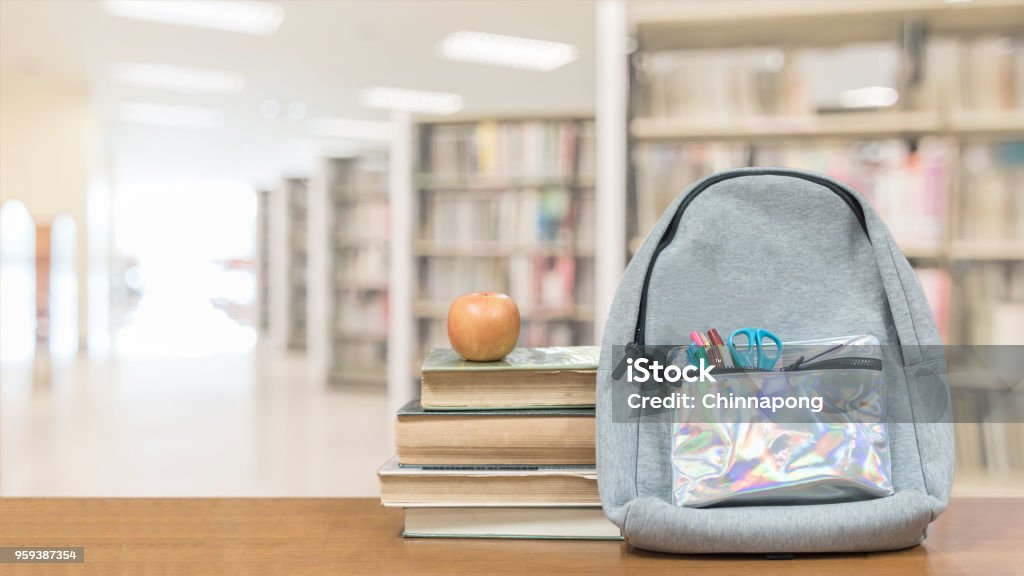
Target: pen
[(699, 350), (713, 351), (719, 344)]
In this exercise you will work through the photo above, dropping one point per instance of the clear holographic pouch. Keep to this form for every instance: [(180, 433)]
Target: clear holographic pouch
[(807, 432)]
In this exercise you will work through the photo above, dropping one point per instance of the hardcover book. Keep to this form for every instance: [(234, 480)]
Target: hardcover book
[(526, 378), (541, 486), (543, 523), (495, 437)]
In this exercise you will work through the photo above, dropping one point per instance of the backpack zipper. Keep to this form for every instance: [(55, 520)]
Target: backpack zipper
[(739, 370), (640, 336), (849, 363)]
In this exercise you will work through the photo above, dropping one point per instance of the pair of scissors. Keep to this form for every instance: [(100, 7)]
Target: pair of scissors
[(754, 356)]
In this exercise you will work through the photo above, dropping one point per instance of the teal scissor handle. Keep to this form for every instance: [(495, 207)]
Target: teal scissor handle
[(753, 355)]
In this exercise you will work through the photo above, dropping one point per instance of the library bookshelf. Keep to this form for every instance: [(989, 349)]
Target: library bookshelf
[(263, 243), (718, 85), (297, 193), (727, 23), (942, 112), (348, 275), (503, 203), (282, 255)]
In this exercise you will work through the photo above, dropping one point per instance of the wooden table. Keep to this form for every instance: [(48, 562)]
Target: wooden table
[(357, 536)]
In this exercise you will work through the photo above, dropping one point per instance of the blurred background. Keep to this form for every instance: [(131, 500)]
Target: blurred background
[(229, 231)]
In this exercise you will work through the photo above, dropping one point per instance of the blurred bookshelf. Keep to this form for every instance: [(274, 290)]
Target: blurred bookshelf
[(726, 23), (297, 194), (917, 104), (505, 204), (357, 191), (263, 259)]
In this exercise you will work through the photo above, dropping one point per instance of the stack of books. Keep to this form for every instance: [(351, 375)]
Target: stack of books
[(500, 449)]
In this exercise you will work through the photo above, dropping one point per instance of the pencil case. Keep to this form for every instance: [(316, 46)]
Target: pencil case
[(804, 433)]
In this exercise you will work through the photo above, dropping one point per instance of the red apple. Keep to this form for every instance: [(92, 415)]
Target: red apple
[(483, 326)]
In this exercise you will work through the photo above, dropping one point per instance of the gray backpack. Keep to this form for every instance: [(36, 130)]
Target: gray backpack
[(806, 256)]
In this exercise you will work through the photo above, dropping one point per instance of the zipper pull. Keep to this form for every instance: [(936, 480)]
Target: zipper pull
[(800, 361), (794, 365), (633, 350)]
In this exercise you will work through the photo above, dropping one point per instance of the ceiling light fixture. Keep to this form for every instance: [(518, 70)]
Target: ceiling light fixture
[(508, 51), (245, 17), (404, 100), (347, 128), (176, 116), (177, 78)]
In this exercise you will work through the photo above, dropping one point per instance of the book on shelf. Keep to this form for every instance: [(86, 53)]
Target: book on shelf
[(526, 378), (966, 434), (554, 281), (493, 437), (992, 210), (908, 188), (535, 281), (362, 221), (1008, 318), (361, 267), (508, 150), (487, 486), (937, 287), (993, 447), (586, 164), (365, 175), (992, 297), (718, 84), (525, 217), (992, 72), (361, 311), (754, 82), (360, 352), (540, 523)]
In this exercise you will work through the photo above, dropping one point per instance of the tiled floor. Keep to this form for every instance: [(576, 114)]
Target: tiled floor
[(240, 424)]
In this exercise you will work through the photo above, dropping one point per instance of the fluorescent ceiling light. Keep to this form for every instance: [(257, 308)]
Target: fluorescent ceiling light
[(177, 78), (869, 97), (176, 116), (349, 129), (508, 51), (412, 100), (246, 17)]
